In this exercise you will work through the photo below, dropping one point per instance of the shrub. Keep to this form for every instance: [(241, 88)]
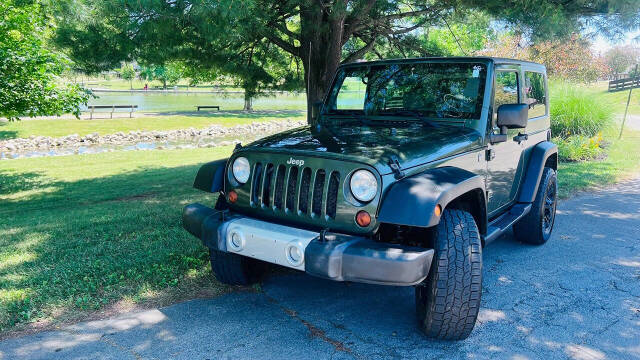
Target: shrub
[(576, 110), (577, 148)]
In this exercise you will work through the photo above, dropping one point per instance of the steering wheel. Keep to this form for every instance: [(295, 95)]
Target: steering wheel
[(454, 104)]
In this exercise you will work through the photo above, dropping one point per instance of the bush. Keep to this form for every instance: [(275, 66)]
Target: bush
[(577, 148), (577, 111)]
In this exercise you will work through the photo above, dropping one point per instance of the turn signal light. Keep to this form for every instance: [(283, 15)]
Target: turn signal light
[(363, 218), (438, 210), (232, 197)]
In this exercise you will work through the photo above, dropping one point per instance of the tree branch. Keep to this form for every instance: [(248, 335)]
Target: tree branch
[(358, 54), (284, 45), (404, 15), (355, 18)]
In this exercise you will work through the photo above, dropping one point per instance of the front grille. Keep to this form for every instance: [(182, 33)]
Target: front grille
[(298, 190)]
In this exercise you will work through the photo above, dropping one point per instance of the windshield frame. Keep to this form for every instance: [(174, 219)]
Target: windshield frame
[(479, 124)]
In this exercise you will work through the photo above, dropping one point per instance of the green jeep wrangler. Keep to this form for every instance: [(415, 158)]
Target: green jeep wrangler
[(409, 169)]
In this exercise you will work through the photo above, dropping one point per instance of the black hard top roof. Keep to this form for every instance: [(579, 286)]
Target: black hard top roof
[(452, 59)]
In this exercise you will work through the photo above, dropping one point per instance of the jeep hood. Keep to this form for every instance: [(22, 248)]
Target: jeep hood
[(374, 145)]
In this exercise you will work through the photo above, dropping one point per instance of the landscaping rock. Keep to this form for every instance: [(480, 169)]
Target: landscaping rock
[(134, 137)]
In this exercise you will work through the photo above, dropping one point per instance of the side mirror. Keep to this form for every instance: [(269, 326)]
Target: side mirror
[(513, 116), (510, 116)]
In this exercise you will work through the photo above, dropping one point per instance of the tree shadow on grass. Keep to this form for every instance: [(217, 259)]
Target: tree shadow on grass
[(577, 176), (79, 246), (233, 113), (7, 134), (11, 182)]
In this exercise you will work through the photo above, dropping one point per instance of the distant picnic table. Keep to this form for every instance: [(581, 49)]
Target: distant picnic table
[(208, 107), (110, 109)]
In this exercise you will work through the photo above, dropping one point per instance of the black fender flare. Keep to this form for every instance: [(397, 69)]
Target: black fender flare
[(539, 156), (210, 177), (412, 201)]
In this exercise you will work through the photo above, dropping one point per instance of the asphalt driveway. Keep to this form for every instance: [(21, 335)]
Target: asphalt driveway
[(576, 297)]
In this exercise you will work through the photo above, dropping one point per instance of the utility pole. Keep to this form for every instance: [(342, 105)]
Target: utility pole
[(626, 109)]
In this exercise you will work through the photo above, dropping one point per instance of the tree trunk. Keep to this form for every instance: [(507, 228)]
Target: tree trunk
[(248, 102), (320, 50)]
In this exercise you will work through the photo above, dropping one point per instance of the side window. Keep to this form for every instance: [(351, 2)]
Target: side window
[(506, 89), (535, 93), (352, 94)]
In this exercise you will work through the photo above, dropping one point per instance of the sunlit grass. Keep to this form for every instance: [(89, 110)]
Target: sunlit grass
[(89, 231), (622, 161)]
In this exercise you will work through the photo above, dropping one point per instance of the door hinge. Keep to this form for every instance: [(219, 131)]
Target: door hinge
[(394, 164), (521, 137), (491, 154)]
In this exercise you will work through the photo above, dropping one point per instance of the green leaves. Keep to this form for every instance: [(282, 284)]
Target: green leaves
[(29, 71)]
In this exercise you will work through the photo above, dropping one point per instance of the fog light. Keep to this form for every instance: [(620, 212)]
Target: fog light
[(233, 196), (235, 241), (363, 218), (295, 256)]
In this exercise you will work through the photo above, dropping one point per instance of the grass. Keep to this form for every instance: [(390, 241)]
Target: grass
[(82, 233), (57, 127), (622, 161), (576, 110), (618, 100)]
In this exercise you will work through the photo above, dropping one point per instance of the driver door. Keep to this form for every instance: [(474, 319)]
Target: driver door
[(504, 160)]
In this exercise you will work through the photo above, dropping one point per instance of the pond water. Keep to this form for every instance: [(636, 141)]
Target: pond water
[(160, 101)]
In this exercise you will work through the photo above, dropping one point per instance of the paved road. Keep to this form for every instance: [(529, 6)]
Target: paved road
[(577, 297)]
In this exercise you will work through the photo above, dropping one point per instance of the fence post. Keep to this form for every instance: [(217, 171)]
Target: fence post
[(626, 109)]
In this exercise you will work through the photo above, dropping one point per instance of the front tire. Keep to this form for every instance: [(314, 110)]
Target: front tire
[(448, 301), (535, 227), (235, 269)]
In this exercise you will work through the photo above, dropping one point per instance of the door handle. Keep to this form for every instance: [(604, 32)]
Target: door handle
[(520, 138)]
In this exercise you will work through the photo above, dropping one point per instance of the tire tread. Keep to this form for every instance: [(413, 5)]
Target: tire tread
[(454, 286)]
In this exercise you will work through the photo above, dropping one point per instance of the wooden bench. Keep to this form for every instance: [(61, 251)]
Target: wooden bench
[(110, 109), (208, 107)]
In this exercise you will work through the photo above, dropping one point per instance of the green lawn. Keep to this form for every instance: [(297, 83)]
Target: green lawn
[(618, 99), (60, 127), (81, 233), (623, 160)]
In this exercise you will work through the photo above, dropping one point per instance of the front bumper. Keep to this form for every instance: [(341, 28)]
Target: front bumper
[(333, 256)]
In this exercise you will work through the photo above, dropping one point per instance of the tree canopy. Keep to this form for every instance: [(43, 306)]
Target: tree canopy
[(28, 69), (316, 35), (621, 59)]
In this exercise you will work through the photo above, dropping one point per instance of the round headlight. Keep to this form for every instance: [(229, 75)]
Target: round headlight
[(363, 185), (241, 169)]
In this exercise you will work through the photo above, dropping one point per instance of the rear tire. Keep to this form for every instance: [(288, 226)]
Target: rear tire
[(235, 269), (447, 302), (536, 227)]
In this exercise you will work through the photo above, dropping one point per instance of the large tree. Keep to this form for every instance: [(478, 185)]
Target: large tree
[(316, 31), (28, 69), (620, 59)]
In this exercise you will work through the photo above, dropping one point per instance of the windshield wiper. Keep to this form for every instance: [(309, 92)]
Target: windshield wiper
[(412, 113), (354, 116)]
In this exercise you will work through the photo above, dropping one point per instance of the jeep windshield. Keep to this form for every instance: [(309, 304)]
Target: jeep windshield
[(429, 92)]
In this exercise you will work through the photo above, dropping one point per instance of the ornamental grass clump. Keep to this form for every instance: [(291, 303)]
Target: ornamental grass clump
[(576, 111)]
